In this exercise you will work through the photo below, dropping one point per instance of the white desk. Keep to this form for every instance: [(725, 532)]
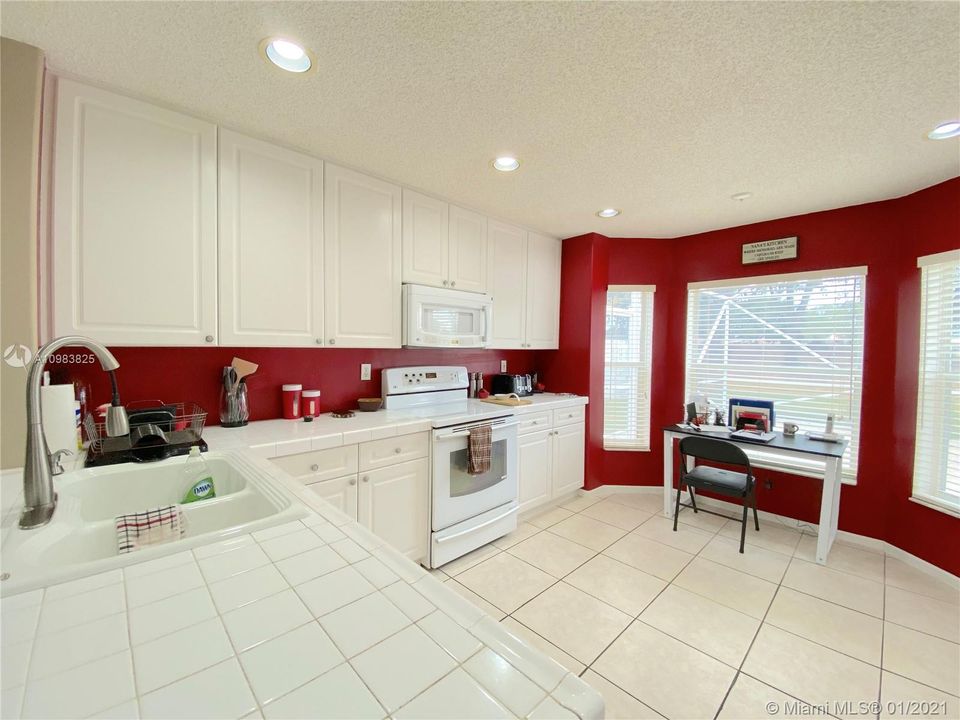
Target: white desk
[(798, 446)]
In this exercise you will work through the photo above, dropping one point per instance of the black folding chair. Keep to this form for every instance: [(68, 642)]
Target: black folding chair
[(722, 482)]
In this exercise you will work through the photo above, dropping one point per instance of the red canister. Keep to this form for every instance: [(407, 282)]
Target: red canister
[(291, 401), (311, 403)]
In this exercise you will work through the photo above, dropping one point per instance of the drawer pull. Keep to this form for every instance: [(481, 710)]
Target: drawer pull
[(397, 450), (353, 481), (366, 478), (314, 467)]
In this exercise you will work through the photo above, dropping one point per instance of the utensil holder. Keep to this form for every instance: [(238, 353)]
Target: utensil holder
[(234, 410)]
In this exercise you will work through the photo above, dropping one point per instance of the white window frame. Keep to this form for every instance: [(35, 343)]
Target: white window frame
[(639, 444), (758, 457), (927, 490)]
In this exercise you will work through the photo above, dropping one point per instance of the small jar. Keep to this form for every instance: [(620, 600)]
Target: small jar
[(310, 402), (291, 401)]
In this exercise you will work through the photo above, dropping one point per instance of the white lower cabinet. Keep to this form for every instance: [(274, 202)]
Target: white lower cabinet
[(339, 492), (392, 504), (551, 461)]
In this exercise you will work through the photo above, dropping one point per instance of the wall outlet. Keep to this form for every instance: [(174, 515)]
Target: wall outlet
[(364, 371), (503, 366)]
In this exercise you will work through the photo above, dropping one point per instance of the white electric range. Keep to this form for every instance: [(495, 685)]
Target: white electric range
[(466, 510)]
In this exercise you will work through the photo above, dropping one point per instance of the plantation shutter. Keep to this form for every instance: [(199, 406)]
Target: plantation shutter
[(626, 379)]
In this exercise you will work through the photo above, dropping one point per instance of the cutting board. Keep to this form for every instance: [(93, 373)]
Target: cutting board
[(510, 402)]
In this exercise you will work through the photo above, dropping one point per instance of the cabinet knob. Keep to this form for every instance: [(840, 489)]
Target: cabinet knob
[(366, 478), (209, 338), (453, 283), (333, 341), (314, 467), (319, 341), (536, 422), (353, 481), (446, 283), (397, 450)]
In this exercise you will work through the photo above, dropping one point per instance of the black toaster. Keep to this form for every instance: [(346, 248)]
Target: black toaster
[(504, 384)]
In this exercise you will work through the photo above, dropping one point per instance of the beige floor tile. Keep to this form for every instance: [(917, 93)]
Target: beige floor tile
[(845, 558), (523, 531), (649, 556), (924, 658), (506, 581), (588, 532), (719, 631), (922, 613), (771, 535), (900, 697), (686, 538), (622, 586), (465, 562), (613, 513), (649, 502), (907, 577), (550, 517), (552, 553), (542, 644), (842, 588), (750, 699), (756, 561), (848, 631), (806, 670), (672, 678), (581, 502), (732, 588), (619, 705), (491, 610), (577, 623)]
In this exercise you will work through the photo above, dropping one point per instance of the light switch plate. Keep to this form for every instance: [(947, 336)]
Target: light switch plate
[(503, 366), (364, 371)]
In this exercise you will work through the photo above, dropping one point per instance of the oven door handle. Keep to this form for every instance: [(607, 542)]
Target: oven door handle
[(458, 433), (482, 525)]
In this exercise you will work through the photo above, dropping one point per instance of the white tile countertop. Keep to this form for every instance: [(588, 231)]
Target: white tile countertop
[(312, 618)]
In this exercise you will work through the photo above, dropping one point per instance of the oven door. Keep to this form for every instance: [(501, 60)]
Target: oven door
[(458, 495)]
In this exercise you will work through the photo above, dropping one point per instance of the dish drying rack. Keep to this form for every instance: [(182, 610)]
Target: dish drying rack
[(158, 430)]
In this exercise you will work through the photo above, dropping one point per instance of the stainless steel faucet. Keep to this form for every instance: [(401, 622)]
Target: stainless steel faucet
[(40, 465)]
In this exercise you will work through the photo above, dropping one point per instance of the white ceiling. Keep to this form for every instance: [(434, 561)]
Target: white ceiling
[(661, 109)]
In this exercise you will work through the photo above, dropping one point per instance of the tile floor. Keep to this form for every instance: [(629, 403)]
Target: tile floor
[(681, 625)]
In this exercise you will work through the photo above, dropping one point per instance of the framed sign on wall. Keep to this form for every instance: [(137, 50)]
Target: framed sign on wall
[(769, 250)]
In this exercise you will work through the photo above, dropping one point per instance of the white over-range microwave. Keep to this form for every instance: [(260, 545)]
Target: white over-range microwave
[(437, 317)]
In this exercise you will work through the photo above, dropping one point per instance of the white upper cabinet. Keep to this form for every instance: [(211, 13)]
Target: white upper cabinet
[(507, 281), (543, 292), (362, 258), (134, 221), (271, 244), (425, 239), (468, 250)]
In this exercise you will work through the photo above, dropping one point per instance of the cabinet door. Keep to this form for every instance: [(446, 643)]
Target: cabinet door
[(507, 282), (535, 468), (271, 244), (543, 292), (568, 457), (468, 250), (393, 506), (425, 239), (341, 493), (361, 260), (134, 222)]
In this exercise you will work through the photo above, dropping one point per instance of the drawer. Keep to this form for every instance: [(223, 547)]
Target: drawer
[(570, 415), (321, 464), (390, 451), (534, 422)]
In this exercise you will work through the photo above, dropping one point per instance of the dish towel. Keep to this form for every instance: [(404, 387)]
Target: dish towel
[(150, 527), (478, 450)]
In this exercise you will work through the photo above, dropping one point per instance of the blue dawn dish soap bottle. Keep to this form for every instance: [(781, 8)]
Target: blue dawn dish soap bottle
[(198, 478)]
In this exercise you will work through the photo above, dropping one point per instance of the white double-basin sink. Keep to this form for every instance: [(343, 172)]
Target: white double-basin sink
[(81, 539)]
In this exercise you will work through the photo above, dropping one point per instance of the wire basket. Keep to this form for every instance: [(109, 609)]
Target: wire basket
[(181, 423)]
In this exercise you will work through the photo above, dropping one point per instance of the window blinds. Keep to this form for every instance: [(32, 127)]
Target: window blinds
[(794, 339), (626, 379), (936, 465)]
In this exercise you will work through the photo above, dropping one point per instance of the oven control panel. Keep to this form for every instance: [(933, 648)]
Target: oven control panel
[(424, 378)]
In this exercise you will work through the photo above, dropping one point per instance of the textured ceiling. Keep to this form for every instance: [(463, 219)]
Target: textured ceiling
[(661, 109)]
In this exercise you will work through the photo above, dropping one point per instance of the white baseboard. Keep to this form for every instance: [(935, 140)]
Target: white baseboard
[(861, 541)]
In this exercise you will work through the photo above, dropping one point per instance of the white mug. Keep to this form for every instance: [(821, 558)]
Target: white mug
[(790, 428)]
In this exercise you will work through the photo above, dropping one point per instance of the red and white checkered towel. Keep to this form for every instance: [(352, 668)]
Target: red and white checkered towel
[(478, 450), (150, 527)]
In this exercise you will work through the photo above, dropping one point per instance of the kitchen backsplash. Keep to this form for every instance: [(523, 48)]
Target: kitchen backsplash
[(174, 374)]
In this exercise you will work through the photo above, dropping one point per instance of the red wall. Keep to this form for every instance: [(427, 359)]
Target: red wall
[(887, 237)]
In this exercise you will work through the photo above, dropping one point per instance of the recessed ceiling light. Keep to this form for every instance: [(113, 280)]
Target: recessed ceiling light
[(741, 196), (945, 130), (506, 163), (608, 213), (286, 55)]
